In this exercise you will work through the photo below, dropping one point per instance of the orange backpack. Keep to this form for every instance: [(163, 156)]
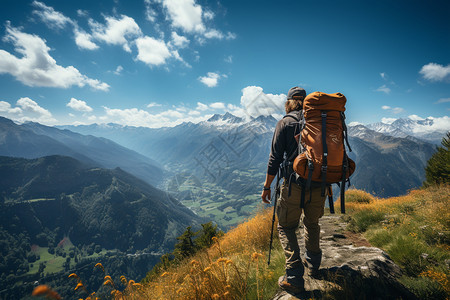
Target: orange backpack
[(322, 154)]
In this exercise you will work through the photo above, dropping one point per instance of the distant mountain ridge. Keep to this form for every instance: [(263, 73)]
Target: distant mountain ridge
[(246, 144), (424, 129), (33, 140), (387, 166)]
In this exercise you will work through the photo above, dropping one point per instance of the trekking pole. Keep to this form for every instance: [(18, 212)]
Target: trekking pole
[(277, 193)]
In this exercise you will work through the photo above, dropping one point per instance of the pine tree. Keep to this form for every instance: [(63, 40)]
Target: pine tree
[(437, 170), (185, 247), (206, 234)]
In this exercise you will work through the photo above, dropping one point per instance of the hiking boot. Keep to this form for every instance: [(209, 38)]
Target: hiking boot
[(311, 271), (291, 284)]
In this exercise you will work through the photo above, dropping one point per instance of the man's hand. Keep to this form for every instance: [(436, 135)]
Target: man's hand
[(265, 196), (266, 193)]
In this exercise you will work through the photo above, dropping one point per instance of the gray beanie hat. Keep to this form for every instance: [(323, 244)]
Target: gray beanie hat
[(296, 91)]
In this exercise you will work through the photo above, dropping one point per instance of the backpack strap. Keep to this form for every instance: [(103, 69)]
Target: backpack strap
[(300, 123), (330, 199), (344, 163), (325, 153), (344, 127), (307, 184), (344, 178)]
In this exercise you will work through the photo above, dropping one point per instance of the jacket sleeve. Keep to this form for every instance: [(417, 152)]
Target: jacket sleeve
[(278, 148)]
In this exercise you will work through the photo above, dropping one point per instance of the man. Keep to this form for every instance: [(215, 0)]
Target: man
[(285, 147)]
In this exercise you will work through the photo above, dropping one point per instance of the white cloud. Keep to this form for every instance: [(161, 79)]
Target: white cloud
[(185, 14), (383, 75), (176, 55), (116, 31), (255, 102), (395, 110), (388, 120), (194, 113), (26, 110), (152, 51), (210, 80), (32, 107), (208, 15), (82, 13), (443, 100), (84, 40), (150, 13), (216, 34), (36, 67), (229, 59), (54, 19), (213, 33), (440, 124), (415, 118), (79, 105), (383, 89), (435, 72), (201, 106), (153, 104), (50, 17), (217, 105), (7, 111), (179, 41), (230, 36), (118, 70), (138, 117)]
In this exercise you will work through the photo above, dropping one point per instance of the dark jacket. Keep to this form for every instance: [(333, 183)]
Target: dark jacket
[(283, 141)]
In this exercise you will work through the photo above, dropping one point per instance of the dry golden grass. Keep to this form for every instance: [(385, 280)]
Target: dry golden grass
[(437, 200), (234, 267), (226, 270)]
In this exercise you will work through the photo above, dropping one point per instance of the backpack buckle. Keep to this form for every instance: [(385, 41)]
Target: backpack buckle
[(323, 114), (324, 169)]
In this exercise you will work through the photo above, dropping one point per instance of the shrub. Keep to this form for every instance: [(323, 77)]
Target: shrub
[(406, 251), (361, 220), (380, 237), (424, 288), (358, 196)]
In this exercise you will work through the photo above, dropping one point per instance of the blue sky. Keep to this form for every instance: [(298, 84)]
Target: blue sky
[(161, 62)]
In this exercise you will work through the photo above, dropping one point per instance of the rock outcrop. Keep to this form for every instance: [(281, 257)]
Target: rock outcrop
[(350, 269)]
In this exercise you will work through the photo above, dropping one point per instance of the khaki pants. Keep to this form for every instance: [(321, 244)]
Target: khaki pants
[(289, 213)]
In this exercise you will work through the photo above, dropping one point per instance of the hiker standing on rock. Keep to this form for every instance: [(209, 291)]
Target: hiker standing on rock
[(283, 152)]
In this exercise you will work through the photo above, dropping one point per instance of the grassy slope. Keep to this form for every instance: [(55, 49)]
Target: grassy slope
[(235, 266), (412, 229)]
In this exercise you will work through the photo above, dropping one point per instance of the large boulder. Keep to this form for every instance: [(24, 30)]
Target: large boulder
[(350, 269)]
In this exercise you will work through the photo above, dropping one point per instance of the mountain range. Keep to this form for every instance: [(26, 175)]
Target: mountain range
[(111, 208), (33, 140), (226, 141), (423, 129)]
